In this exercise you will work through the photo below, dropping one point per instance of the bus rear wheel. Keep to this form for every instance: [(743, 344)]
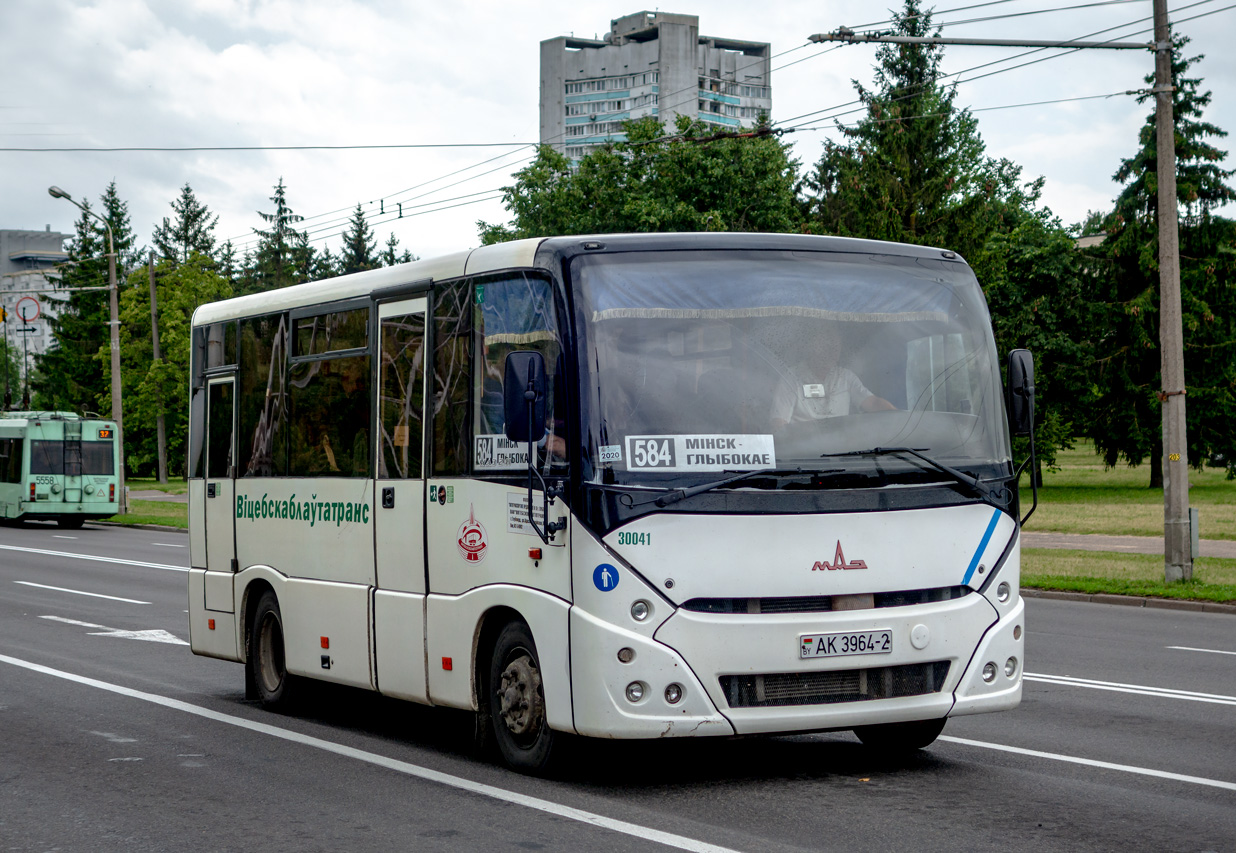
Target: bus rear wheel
[(266, 662), (70, 522), (516, 698), (895, 738)]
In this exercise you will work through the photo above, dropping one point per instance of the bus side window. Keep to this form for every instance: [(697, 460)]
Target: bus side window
[(402, 397), (515, 312), (10, 460), (451, 367), (262, 396)]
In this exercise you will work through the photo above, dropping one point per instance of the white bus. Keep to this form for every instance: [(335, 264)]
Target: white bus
[(626, 486)]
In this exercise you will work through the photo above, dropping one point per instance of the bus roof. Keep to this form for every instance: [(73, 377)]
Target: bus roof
[(523, 253)]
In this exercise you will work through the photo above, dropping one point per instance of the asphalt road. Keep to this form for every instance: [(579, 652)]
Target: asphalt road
[(114, 737)]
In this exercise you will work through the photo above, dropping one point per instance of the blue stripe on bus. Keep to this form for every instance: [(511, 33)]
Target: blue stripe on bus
[(991, 528)]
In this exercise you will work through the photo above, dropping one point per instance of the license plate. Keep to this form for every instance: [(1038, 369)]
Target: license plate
[(842, 645)]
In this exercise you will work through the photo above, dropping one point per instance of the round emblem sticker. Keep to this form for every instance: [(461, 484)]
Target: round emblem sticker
[(472, 542), (605, 577)]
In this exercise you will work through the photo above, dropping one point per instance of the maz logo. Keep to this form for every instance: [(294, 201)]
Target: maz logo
[(838, 562)]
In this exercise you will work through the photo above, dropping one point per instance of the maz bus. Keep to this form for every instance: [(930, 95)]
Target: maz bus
[(57, 466), (625, 486)]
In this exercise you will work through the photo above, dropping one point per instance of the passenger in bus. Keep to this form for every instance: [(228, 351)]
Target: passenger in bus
[(819, 387)]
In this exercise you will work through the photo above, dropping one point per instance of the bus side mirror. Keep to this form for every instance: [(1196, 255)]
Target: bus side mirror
[(523, 396), (1021, 392)]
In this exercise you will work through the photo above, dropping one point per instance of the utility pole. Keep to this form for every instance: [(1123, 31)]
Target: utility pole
[(1177, 547), (1177, 544), (154, 340)]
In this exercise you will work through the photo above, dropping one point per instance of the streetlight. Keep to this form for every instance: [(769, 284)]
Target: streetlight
[(114, 323)]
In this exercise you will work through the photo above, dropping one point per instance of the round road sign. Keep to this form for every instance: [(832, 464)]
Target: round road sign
[(25, 305)]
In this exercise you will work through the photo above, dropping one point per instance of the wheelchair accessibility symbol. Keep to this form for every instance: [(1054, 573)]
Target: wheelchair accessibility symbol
[(605, 577)]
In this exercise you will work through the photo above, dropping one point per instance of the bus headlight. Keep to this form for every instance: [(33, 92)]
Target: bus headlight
[(1010, 667), (989, 672), (640, 611), (1003, 591), (635, 691), (673, 694)]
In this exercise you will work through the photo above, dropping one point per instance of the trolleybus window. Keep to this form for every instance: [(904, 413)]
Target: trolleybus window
[(10, 460), (46, 456)]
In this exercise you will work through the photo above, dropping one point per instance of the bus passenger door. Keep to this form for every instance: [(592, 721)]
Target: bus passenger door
[(220, 489), (399, 501)]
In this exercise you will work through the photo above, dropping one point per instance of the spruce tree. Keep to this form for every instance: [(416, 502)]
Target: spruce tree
[(359, 245), (283, 255), (1126, 419), (391, 254), (192, 231)]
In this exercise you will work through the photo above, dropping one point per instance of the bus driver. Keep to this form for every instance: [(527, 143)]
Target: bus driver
[(820, 387)]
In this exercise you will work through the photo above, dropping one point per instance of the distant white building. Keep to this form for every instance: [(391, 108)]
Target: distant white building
[(648, 64), (27, 266)]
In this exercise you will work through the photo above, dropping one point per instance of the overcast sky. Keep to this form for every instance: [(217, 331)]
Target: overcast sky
[(169, 73)]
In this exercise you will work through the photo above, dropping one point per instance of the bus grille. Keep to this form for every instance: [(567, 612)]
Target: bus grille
[(821, 603), (827, 688)]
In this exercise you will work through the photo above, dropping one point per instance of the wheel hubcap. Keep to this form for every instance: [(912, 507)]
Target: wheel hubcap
[(520, 702), (270, 657)]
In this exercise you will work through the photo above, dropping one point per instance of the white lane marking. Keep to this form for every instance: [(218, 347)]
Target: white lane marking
[(1090, 762), (1139, 689), (58, 536), (668, 839), (153, 635), (79, 592), (168, 545), (93, 557), (1211, 651), (115, 738)]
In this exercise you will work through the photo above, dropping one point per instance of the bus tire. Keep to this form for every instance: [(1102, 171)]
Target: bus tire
[(901, 737), (516, 699), (266, 664), (70, 522)]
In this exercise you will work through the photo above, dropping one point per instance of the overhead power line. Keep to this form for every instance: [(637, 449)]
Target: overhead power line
[(156, 148)]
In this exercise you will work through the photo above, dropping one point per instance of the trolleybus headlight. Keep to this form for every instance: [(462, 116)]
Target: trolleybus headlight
[(1010, 667), (626, 655), (635, 691), (1003, 591), (673, 694), (640, 611), (989, 672)]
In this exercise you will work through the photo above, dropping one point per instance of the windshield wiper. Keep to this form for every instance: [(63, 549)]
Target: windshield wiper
[(997, 496), (677, 495)]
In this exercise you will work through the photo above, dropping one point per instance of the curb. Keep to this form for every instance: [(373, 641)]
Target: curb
[(1132, 601), (166, 528)]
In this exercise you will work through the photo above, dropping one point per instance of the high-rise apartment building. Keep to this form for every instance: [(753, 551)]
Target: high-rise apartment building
[(27, 267), (648, 64)]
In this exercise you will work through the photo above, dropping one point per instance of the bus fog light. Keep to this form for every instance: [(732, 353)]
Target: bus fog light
[(626, 655), (673, 694), (1010, 667), (640, 611), (635, 691), (1003, 591), (989, 673)]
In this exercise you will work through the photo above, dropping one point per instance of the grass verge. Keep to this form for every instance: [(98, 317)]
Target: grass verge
[(1092, 572), (154, 512), (171, 487)]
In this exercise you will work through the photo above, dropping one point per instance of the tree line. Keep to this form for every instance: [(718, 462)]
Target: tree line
[(191, 268), (915, 169)]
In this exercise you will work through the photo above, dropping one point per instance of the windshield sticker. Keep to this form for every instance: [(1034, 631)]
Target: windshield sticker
[(699, 452), (605, 577), (611, 453), (497, 452), (472, 540)]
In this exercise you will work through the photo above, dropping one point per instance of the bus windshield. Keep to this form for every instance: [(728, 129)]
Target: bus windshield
[(698, 363)]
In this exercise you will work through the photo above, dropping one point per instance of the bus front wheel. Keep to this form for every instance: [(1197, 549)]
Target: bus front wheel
[(266, 662), (516, 698), (901, 737)]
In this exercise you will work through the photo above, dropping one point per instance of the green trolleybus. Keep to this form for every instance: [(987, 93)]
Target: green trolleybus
[(625, 486), (57, 466)]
